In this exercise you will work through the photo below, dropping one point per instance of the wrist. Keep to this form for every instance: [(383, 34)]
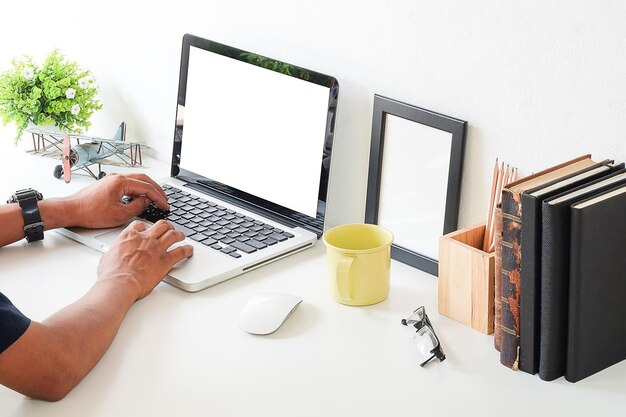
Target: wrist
[(58, 212), (123, 282)]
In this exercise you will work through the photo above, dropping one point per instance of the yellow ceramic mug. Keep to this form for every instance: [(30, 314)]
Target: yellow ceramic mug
[(359, 257)]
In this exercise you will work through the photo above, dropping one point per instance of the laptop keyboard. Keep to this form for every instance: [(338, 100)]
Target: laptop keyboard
[(215, 226)]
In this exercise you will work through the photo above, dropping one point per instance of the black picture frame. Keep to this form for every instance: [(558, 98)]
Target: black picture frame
[(446, 127)]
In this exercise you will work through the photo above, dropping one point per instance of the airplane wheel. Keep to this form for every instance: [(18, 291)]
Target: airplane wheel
[(101, 175), (58, 172)]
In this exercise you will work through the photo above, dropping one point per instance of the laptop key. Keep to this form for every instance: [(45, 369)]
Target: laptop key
[(186, 231), (277, 236), (269, 241), (235, 254), (209, 241), (243, 247), (198, 237), (256, 244)]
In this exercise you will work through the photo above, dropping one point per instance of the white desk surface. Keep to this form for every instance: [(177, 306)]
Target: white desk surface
[(182, 354)]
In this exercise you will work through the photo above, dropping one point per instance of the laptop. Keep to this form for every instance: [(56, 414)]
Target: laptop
[(250, 165)]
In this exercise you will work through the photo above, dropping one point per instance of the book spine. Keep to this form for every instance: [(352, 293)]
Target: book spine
[(529, 295), (572, 373), (555, 254), (510, 278), (497, 326)]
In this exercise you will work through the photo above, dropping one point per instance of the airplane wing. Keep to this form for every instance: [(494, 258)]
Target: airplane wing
[(103, 140), (53, 137), (50, 152)]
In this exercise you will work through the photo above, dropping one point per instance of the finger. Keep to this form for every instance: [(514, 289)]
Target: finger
[(135, 188), (178, 254), (170, 237), (137, 225), (136, 206), (145, 178), (159, 228)]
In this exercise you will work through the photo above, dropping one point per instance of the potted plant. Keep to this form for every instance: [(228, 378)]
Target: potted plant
[(59, 93)]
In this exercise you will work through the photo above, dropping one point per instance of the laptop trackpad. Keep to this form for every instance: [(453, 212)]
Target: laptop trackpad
[(187, 273)]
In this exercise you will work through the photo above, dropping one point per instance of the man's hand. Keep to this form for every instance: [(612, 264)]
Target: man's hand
[(100, 205), (140, 259), (53, 356)]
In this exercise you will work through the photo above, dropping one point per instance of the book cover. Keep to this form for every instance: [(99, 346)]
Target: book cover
[(531, 257), (555, 254), (511, 252), (596, 336)]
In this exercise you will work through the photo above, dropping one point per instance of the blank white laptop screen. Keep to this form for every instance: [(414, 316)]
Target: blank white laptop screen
[(254, 129)]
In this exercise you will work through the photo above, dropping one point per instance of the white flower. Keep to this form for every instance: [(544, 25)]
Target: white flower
[(75, 109), (70, 93), (28, 73), (83, 82)]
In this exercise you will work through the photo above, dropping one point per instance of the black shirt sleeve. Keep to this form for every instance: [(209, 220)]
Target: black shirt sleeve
[(13, 323)]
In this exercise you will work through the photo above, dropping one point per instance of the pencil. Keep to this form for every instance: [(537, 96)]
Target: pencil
[(497, 198), (509, 176), (492, 198)]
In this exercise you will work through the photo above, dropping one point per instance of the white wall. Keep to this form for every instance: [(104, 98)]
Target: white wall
[(539, 82)]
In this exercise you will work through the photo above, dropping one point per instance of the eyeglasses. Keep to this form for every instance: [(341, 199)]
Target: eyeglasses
[(425, 337)]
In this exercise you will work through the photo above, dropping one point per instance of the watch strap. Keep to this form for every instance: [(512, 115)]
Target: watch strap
[(33, 225)]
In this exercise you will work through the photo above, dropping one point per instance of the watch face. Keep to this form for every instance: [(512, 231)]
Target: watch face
[(29, 192)]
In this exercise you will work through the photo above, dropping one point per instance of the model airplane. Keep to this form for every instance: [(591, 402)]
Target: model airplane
[(79, 152)]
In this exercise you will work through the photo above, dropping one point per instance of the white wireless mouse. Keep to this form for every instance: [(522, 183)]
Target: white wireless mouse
[(265, 313)]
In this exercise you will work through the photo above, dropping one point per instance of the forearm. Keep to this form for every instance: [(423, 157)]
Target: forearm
[(59, 352), (55, 212)]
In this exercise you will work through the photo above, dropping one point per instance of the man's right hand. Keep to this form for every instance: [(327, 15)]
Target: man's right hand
[(140, 258)]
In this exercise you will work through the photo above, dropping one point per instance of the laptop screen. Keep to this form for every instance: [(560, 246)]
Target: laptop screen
[(256, 129)]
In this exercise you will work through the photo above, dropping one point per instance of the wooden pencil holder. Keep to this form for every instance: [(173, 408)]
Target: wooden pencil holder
[(466, 279)]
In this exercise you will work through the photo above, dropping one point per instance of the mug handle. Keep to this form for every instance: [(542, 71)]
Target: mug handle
[(343, 277)]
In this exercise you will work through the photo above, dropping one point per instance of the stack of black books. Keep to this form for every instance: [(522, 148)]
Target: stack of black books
[(563, 288)]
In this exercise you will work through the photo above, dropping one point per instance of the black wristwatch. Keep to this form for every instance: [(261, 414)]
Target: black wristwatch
[(33, 226)]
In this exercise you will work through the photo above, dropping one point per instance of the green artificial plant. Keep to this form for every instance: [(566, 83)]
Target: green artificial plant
[(58, 93)]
